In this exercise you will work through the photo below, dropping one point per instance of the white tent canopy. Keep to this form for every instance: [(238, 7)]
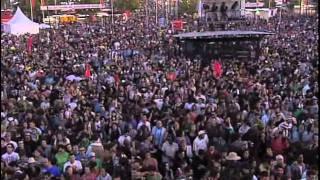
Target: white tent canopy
[(44, 26), (20, 24)]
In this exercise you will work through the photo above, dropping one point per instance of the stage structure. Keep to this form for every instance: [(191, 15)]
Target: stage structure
[(221, 44)]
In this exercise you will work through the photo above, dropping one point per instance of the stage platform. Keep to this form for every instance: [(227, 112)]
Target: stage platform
[(222, 34)]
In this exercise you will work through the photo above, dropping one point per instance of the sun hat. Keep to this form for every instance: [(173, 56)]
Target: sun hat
[(279, 157), (92, 154), (233, 156), (31, 160), (201, 132)]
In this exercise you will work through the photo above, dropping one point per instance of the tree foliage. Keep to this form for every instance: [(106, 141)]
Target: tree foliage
[(188, 6), (126, 4)]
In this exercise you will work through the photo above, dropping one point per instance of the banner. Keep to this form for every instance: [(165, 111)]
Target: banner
[(217, 69), (162, 22), (87, 73), (72, 7), (29, 44), (177, 25)]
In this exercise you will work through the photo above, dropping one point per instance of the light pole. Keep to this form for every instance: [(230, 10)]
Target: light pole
[(147, 11), (177, 8), (167, 14), (112, 18), (31, 10), (156, 12)]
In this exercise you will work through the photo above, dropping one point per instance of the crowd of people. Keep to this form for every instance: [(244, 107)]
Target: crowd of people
[(117, 101)]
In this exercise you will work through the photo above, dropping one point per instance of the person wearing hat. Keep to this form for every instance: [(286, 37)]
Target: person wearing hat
[(232, 169), (94, 158), (200, 142)]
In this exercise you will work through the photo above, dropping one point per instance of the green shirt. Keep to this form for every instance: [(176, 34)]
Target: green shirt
[(61, 158), (99, 163)]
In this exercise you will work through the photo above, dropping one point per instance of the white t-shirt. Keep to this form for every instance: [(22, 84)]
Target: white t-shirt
[(122, 138), (169, 150), (200, 144), (10, 157), (76, 163), (141, 123)]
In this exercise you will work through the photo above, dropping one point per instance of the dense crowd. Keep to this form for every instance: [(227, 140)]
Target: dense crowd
[(100, 101)]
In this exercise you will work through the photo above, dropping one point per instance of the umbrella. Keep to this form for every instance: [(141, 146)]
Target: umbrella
[(73, 78)]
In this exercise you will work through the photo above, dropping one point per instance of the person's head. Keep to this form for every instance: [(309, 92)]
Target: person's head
[(278, 170), (92, 156), (32, 124), (47, 162), (211, 149), (3, 142), (69, 148), (27, 136), (170, 140), (201, 134), (82, 150), (246, 154), (264, 175), (87, 170), (148, 155), (72, 158), (269, 152), (280, 159), (300, 158), (37, 153), (75, 148), (44, 143), (311, 174), (159, 124), (103, 172), (10, 148), (69, 170), (61, 148)]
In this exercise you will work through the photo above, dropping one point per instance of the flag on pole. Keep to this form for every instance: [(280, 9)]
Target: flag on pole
[(33, 3), (217, 69), (87, 73), (29, 44)]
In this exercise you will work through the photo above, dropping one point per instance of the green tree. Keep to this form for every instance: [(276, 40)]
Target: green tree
[(188, 6), (126, 4)]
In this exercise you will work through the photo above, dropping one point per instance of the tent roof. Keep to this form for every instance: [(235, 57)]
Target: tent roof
[(19, 18)]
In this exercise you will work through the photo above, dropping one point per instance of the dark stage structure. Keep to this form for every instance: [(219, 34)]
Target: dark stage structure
[(221, 44)]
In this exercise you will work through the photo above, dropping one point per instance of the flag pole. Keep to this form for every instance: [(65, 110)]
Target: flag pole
[(157, 12), (31, 10)]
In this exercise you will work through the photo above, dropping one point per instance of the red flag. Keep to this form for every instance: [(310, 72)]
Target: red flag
[(171, 76), (33, 3), (117, 79), (177, 25), (217, 69), (87, 73), (29, 44)]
